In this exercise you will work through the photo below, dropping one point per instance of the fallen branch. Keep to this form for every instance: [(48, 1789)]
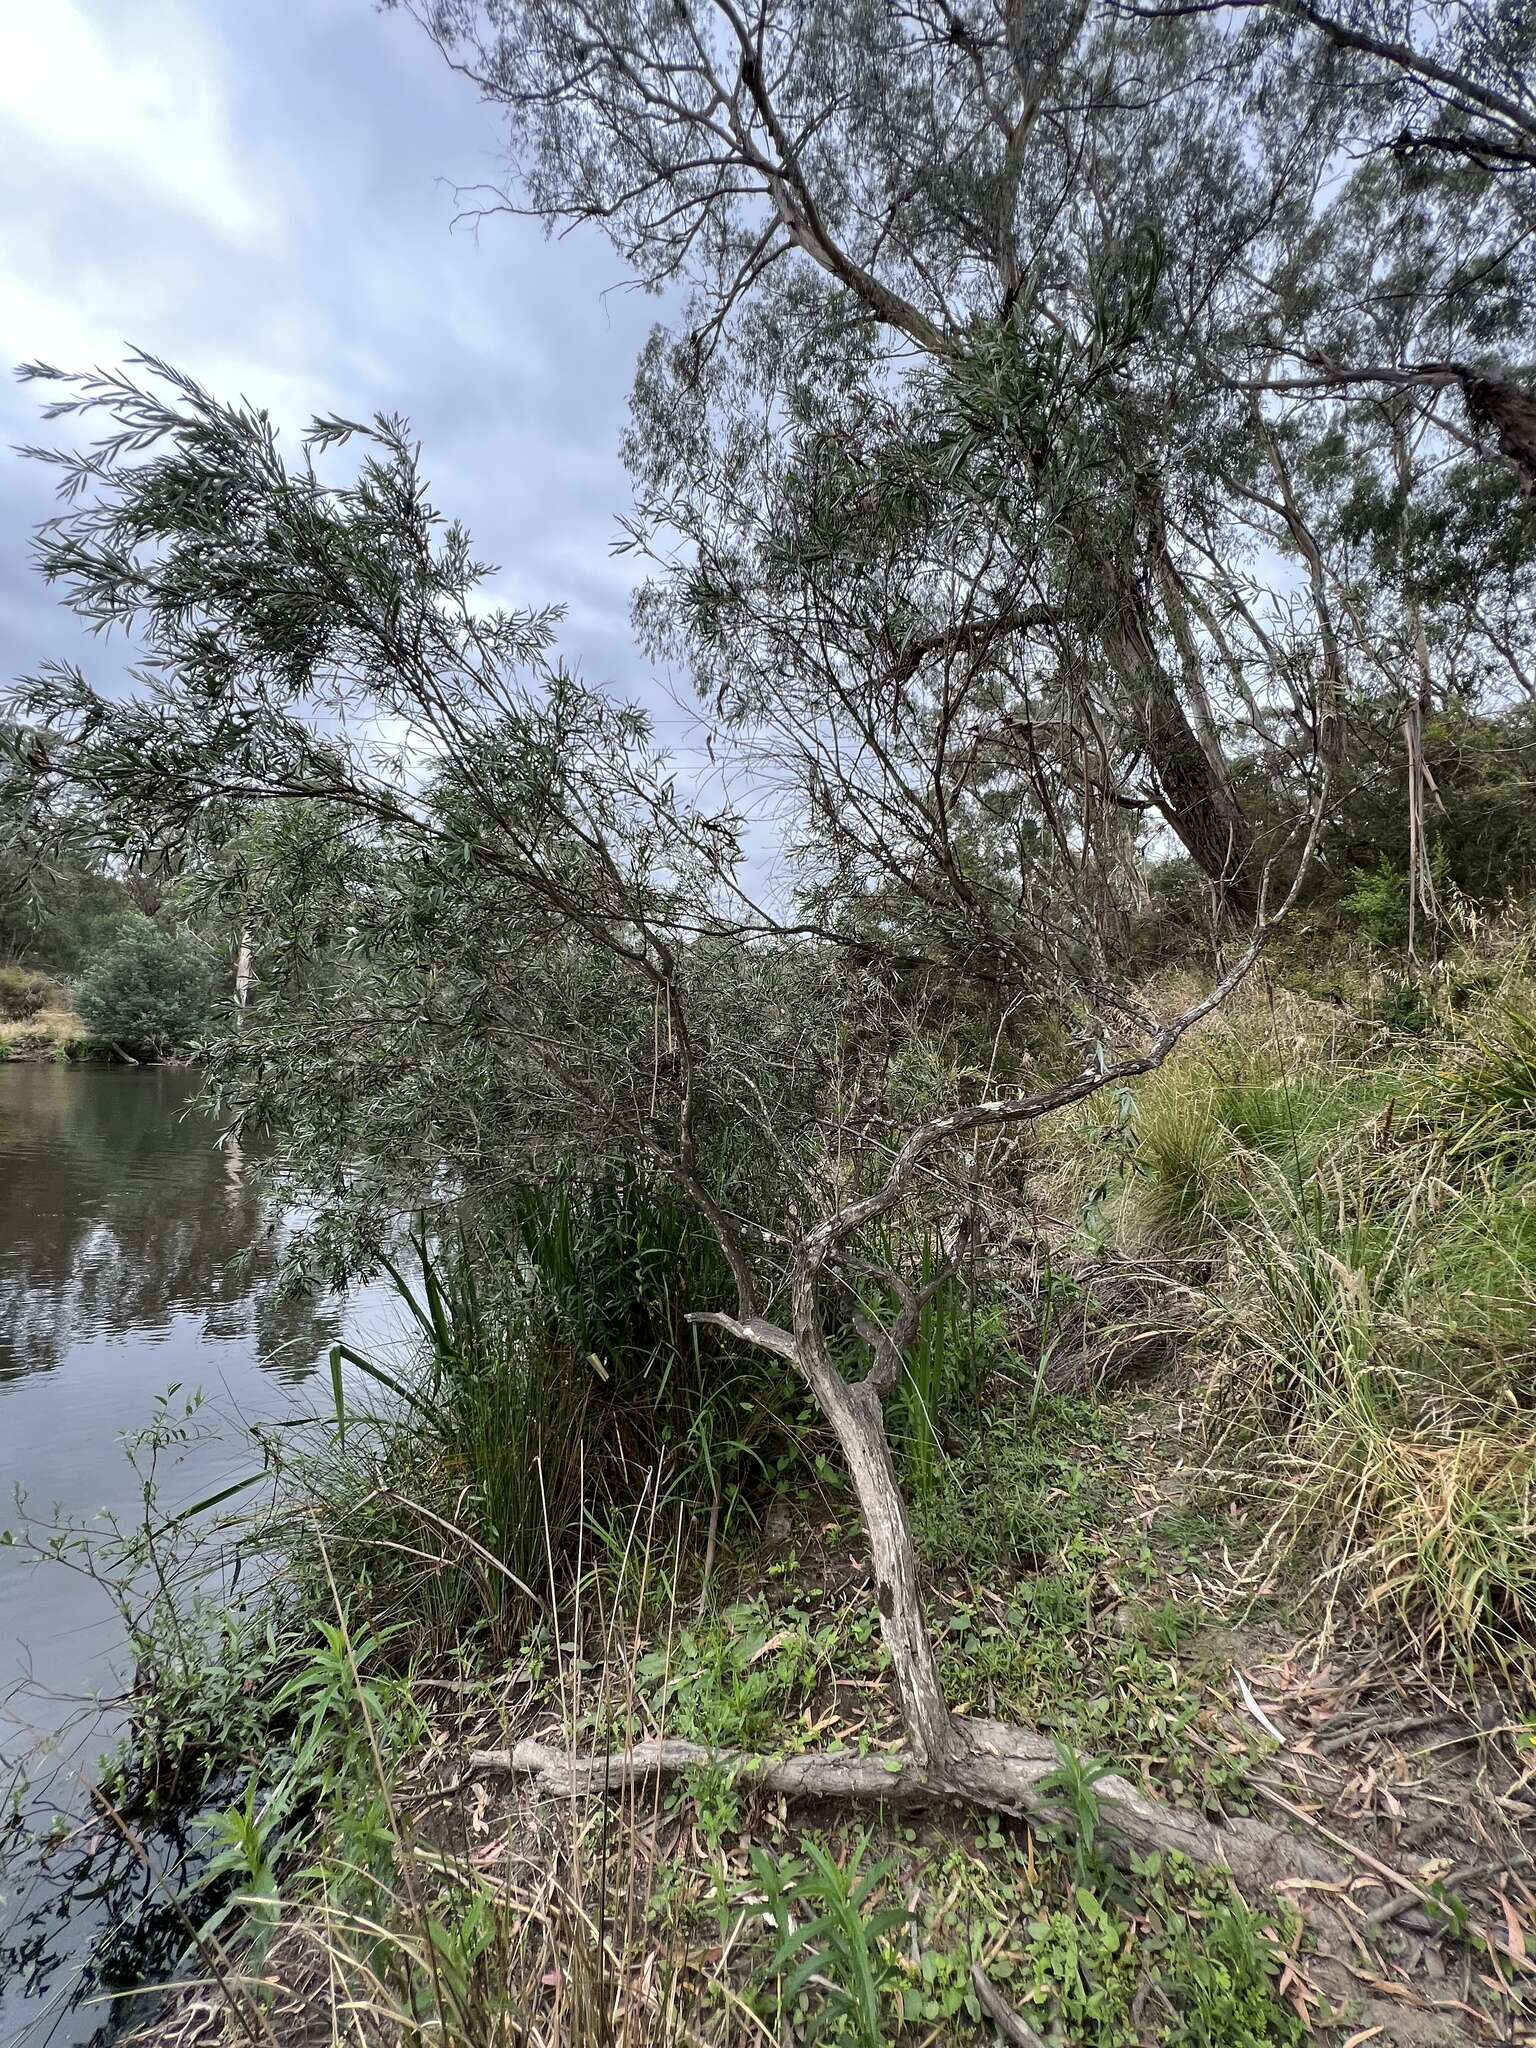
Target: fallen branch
[(991, 1765), (1016, 2031)]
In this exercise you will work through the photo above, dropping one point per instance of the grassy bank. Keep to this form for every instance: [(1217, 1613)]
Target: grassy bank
[(49, 1034), (1220, 1471), (1348, 1206)]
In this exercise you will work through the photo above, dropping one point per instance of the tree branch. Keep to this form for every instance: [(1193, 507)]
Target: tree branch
[(992, 1766)]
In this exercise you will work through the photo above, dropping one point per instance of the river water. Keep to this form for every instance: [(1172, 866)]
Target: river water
[(136, 1254)]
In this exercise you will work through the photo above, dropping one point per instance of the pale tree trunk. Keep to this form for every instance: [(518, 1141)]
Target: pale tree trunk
[(859, 1427), (242, 978), (854, 1411), (1421, 784)]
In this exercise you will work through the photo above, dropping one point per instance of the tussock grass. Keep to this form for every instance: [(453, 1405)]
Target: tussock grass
[(46, 1033), (1362, 1215), (559, 1376)]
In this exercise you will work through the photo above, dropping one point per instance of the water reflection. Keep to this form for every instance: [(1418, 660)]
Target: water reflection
[(120, 1215), (135, 1254)]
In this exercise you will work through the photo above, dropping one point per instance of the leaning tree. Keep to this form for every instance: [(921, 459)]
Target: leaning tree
[(537, 942), (1156, 273)]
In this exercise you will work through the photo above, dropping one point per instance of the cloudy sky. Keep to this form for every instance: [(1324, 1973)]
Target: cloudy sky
[(261, 191)]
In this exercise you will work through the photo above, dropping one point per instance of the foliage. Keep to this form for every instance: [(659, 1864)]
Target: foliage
[(1372, 1220), (450, 1501), (150, 993), (998, 391), (876, 394), (1379, 904), (1020, 1487), (1084, 1964), (1481, 842), (23, 992), (1211, 1137), (56, 915), (561, 1384), (831, 1931), (616, 1265), (942, 1375)]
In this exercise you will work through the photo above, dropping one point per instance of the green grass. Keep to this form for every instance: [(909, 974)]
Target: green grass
[(444, 1506), (1367, 1224), (1056, 1610), (559, 1384)]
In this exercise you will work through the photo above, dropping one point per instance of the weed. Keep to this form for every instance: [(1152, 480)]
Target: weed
[(1020, 1488), (1189, 1955), (832, 1933), (1074, 1780)]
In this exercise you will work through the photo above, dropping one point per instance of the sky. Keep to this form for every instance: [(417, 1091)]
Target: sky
[(262, 192)]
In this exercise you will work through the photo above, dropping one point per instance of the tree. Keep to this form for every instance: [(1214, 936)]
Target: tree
[(1454, 83), (1141, 261), (56, 910), (540, 946), (148, 995)]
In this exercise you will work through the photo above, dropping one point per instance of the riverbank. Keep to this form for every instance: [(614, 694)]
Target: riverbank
[(1106, 1589), (52, 1034), (1220, 1473), (136, 1255)]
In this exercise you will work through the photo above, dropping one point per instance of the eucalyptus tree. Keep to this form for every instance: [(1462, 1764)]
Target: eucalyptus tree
[(537, 943), (1146, 254), (1028, 218)]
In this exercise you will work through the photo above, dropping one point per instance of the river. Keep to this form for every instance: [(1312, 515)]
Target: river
[(136, 1254)]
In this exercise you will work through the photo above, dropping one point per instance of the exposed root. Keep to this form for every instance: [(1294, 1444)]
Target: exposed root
[(991, 1765)]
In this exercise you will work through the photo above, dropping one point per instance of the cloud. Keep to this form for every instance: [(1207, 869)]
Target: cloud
[(263, 195), (132, 94)]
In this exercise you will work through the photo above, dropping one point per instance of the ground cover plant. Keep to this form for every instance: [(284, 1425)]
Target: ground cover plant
[(956, 1419)]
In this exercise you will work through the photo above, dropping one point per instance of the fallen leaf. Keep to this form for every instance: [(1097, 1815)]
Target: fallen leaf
[(1256, 1710), (1515, 1931)]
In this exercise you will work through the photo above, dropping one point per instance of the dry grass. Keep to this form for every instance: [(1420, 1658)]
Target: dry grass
[(41, 1036), (1355, 1207)]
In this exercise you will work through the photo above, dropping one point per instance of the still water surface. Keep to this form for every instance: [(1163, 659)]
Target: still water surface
[(135, 1254)]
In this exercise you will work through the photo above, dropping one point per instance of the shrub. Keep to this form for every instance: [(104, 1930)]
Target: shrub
[(23, 992), (1378, 904), (148, 994)]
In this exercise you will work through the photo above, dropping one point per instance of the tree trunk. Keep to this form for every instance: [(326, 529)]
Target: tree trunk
[(242, 979), (995, 1768), (1195, 793), (857, 1422), (860, 1430), (1198, 802)]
